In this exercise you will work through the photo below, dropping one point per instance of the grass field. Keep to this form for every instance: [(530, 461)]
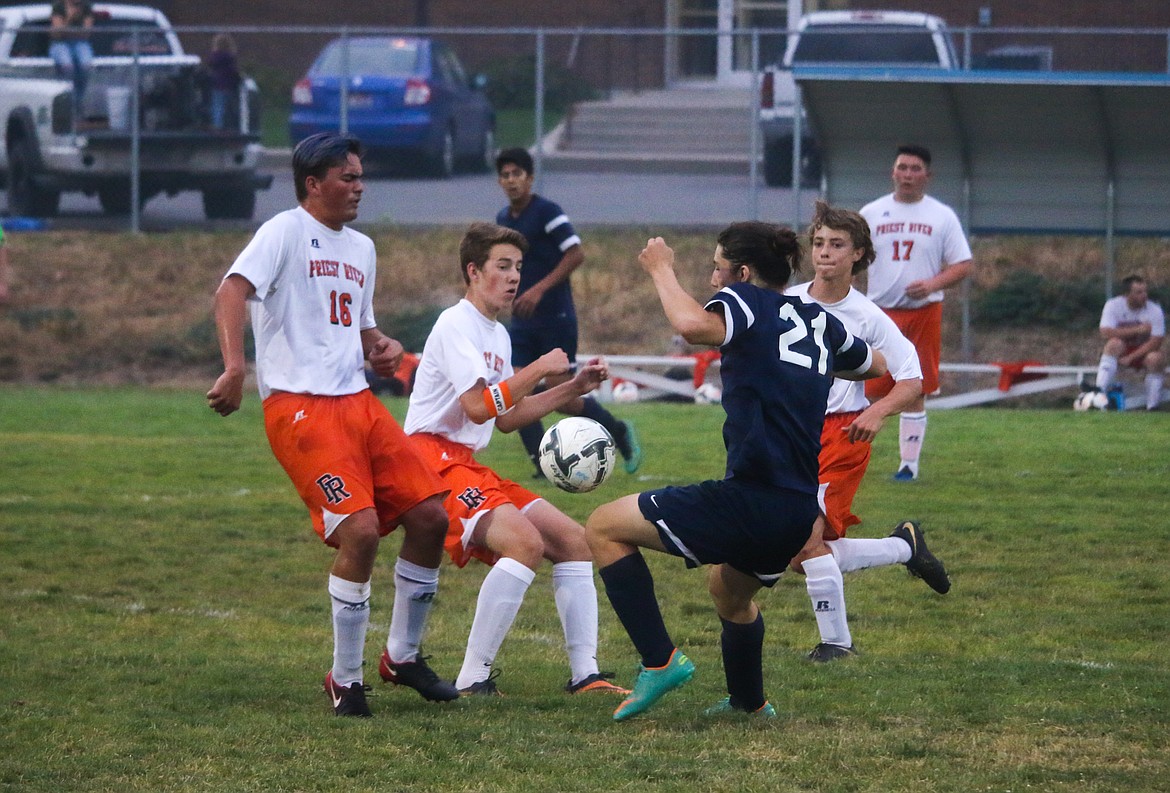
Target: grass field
[(164, 624)]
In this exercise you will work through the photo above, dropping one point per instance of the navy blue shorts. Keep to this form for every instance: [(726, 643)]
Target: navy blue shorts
[(532, 341), (754, 528)]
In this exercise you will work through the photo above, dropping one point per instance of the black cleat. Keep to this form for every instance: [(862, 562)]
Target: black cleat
[(596, 682), (483, 688), (823, 652), (417, 675), (923, 564), (347, 701)]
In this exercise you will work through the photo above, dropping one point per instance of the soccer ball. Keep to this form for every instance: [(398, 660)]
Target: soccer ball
[(708, 394), (1091, 400), (577, 454), (626, 391)]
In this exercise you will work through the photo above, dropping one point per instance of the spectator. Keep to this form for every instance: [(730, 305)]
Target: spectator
[(223, 74), (70, 23), (1133, 327), (921, 250)]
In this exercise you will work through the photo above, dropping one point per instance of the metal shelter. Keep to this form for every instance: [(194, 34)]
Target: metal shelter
[(1014, 152)]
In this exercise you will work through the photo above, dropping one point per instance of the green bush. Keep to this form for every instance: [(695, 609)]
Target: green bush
[(512, 84), (1025, 299)]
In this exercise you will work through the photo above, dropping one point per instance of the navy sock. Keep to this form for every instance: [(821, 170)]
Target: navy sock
[(594, 410), (743, 662), (530, 436), (630, 589)]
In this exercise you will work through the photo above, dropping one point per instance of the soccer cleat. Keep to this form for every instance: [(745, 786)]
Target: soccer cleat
[(904, 474), (417, 675), (629, 447), (825, 652), (653, 684), (596, 682), (483, 688), (724, 707), (347, 700), (923, 564)]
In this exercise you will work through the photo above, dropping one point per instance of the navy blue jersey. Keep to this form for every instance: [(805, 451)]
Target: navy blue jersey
[(778, 360), (549, 234)]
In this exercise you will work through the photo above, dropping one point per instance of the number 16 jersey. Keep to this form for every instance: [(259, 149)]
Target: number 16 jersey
[(314, 297)]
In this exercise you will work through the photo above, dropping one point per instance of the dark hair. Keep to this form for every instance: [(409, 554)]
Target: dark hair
[(772, 251), (518, 157), (914, 150), (477, 243), (852, 223), (1132, 279), (316, 154)]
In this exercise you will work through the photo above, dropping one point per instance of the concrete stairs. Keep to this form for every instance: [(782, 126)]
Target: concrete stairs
[(684, 130)]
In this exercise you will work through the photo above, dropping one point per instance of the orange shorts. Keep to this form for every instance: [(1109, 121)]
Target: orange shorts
[(474, 489), (842, 467), (345, 454), (923, 327)]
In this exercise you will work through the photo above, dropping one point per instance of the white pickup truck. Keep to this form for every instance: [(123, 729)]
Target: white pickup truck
[(845, 38), (53, 144)]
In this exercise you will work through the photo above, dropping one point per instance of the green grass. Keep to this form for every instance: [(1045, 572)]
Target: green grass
[(165, 624)]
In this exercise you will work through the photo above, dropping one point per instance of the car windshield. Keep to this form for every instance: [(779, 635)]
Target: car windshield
[(865, 44), (393, 58)]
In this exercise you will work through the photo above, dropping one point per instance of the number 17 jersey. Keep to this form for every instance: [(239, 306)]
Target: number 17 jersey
[(778, 359), (314, 297)]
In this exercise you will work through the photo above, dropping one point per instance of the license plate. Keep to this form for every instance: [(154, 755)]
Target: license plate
[(361, 100)]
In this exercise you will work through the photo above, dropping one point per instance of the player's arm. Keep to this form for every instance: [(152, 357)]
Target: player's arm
[(869, 422), (525, 305), (230, 318), (1152, 344), (383, 352), (689, 319), (484, 402), (946, 278), (537, 406), (1126, 332)]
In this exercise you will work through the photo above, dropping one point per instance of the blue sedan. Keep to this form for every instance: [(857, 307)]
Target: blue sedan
[(407, 98)]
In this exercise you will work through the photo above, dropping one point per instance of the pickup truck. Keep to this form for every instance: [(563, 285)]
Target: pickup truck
[(54, 142), (846, 38)]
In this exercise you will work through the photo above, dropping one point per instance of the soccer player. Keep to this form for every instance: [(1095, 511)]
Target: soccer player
[(779, 356), (309, 280), (921, 250), (841, 248), (543, 315), (1133, 327), (465, 386)]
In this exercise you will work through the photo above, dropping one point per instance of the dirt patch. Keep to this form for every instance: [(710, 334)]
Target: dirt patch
[(119, 308)]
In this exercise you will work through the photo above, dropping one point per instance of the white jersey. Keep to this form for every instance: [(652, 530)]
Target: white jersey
[(866, 321), (913, 242), (314, 297), (463, 347), (1118, 314)]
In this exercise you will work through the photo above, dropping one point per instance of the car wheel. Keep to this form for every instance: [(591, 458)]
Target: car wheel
[(115, 200), (443, 160), (25, 197), (236, 203)]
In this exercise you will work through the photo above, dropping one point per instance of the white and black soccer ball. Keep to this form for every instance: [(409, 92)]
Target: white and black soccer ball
[(577, 454), (708, 394), (1091, 400), (625, 392)]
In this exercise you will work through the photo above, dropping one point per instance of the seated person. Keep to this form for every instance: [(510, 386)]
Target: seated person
[(1133, 327)]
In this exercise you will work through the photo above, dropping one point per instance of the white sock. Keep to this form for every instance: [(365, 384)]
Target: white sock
[(826, 590), (1106, 371), (1153, 390), (911, 431), (499, 600), (351, 617), (862, 554), (575, 594), (414, 595)]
